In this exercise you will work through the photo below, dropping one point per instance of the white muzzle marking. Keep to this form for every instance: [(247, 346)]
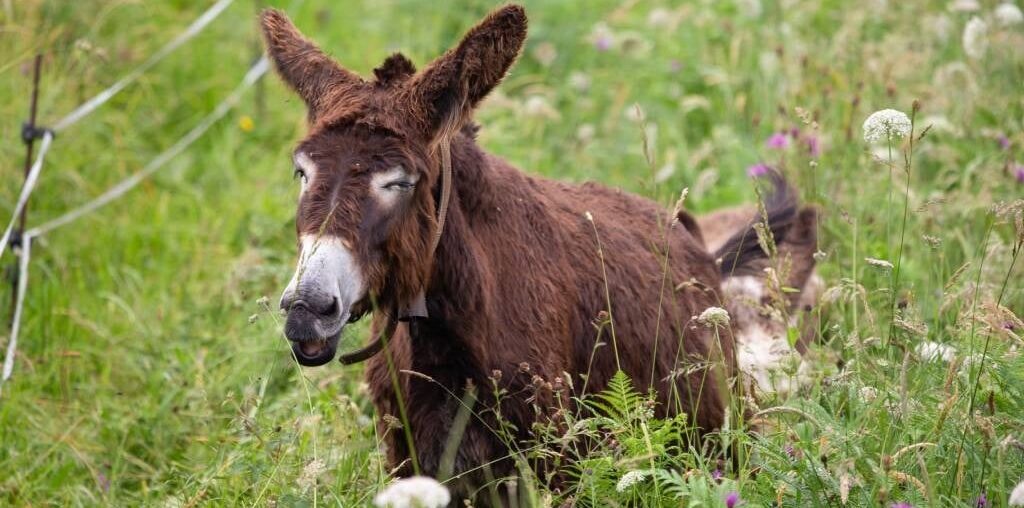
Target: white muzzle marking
[(326, 269)]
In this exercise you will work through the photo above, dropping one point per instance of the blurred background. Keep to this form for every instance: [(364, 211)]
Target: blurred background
[(151, 368)]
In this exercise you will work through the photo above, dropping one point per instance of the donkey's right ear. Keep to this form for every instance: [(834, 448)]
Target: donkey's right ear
[(317, 79)]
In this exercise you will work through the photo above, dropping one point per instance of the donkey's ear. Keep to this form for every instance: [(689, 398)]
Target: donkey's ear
[(312, 74), (444, 94)]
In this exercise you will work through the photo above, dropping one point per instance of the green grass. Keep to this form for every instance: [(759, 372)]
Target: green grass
[(142, 379)]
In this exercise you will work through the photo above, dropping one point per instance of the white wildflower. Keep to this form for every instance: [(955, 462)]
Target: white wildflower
[(629, 479), (749, 8), (585, 133), (885, 124), (589, 216), (1017, 496), (310, 473), (1008, 14), (545, 54), (414, 492), (975, 38), (932, 351), (537, 106), (879, 263), (867, 394), (660, 18), (716, 317), (964, 5), (579, 81)]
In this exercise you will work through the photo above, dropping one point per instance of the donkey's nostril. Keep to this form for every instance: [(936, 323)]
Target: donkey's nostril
[(330, 308)]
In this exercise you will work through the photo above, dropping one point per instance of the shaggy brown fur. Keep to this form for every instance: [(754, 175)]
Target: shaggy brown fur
[(523, 286)]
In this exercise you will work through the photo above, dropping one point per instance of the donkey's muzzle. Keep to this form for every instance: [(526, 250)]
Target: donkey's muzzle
[(313, 330)]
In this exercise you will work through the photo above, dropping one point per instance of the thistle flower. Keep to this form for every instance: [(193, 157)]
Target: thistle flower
[(758, 170), (714, 317), (778, 141), (629, 479), (901, 504), (414, 492), (716, 474), (975, 38), (1008, 14), (886, 124), (1017, 496), (732, 500), (1018, 173), (982, 501)]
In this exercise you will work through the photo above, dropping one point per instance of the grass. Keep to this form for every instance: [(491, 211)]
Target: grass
[(151, 373)]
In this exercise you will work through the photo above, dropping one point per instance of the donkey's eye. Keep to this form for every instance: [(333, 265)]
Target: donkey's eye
[(400, 185), (300, 174)]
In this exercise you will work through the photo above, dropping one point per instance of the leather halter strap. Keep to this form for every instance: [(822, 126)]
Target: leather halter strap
[(416, 309)]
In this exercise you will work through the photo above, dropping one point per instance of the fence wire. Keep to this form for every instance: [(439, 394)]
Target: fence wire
[(251, 77)]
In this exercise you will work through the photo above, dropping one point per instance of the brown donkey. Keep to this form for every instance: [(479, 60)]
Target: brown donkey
[(535, 283)]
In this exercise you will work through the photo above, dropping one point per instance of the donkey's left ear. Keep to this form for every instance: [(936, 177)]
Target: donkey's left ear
[(444, 94)]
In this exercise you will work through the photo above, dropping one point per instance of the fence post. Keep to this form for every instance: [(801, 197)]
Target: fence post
[(29, 134)]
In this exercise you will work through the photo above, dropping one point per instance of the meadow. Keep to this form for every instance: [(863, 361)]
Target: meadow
[(152, 370)]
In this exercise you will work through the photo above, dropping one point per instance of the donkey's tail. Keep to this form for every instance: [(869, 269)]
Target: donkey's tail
[(780, 211)]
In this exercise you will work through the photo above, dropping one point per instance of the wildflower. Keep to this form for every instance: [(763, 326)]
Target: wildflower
[(879, 263), (414, 492), (590, 217), (901, 504), (886, 124), (975, 38), (1018, 173), (629, 479), (716, 474), (245, 123), (932, 351), (714, 317), (813, 145), (545, 54), (732, 500), (310, 473), (1004, 142), (867, 394), (1008, 14), (602, 37), (758, 170), (965, 5), (982, 501), (585, 133), (579, 81), (1017, 496), (778, 141), (538, 107)]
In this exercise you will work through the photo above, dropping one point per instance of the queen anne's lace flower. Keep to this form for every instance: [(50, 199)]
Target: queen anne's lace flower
[(1017, 496), (414, 492), (714, 317), (1008, 14), (885, 124), (629, 479), (975, 38), (932, 351)]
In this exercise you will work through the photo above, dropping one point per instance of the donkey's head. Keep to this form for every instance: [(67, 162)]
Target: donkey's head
[(369, 169)]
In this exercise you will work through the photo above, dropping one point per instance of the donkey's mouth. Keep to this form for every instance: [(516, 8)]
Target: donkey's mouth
[(315, 352)]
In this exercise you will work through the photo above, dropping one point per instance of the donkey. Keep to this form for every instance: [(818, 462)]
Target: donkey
[(478, 274)]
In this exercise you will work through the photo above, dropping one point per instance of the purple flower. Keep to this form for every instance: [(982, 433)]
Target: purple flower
[(603, 43), (813, 147), (1004, 142), (1019, 173), (901, 504), (732, 500), (982, 501), (758, 170), (790, 451), (778, 141), (716, 474)]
